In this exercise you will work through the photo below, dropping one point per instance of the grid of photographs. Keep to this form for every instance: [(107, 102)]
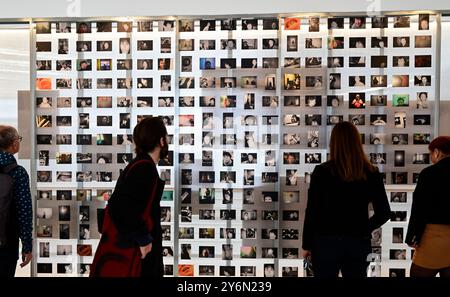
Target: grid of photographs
[(249, 105), (95, 81)]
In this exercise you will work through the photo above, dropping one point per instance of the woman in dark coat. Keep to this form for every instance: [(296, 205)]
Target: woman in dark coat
[(429, 223), (131, 242), (337, 228)]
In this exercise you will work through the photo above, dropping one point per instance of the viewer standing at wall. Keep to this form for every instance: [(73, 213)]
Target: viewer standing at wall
[(16, 212), (337, 226), (429, 224), (131, 242)]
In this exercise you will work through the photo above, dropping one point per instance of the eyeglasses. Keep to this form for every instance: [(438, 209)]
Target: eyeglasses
[(20, 138)]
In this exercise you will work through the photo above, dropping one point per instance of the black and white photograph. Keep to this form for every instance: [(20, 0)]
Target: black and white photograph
[(207, 25), (378, 138), (379, 22), (207, 44), (334, 81), (249, 24), (313, 138), (270, 43), (357, 119), (422, 119), (291, 139), (335, 101), (166, 25), (186, 83), (334, 119), (357, 61), (357, 42), (377, 158), (313, 43), (291, 177), (291, 120), (335, 62), (290, 215), (335, 23), (84, 232), (292, 43), (313, 158), (378, 119), (399, 139), (378, 100), (147, 45), (313, 119), (421, 159), (313, 100), (84, 46), (249, 158), (63, 195), (379, 42), (270, 82), (400, 119), (422, 80), (398, 197)]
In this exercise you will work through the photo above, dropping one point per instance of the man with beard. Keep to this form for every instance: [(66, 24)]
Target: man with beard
[(131, 243)]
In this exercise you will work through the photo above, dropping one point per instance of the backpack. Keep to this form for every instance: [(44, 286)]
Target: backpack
[(6, 198)]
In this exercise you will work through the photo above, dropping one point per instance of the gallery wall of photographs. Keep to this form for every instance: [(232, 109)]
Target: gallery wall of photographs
[(249, 105)]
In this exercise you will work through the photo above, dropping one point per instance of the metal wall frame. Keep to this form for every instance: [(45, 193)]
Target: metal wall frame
[(177, 184)]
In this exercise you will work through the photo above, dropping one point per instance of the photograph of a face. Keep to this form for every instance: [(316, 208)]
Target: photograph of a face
[(379, 22), (399, 100), (400, 61), (84, 27), (63, 27), (377, 158), (335, 101), (335, 23), (379, 42), (166, 26), (270, 24), (398, 197)]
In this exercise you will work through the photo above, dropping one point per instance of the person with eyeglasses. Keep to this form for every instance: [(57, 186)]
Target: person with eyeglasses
[(19, 214)]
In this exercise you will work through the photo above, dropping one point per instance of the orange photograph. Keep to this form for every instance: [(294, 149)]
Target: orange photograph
[(291, 24)]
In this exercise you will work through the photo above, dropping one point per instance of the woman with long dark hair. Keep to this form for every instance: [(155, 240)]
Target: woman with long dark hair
[(337, 228)]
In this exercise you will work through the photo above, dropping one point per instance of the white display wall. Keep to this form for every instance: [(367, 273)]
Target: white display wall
[(237, 176)]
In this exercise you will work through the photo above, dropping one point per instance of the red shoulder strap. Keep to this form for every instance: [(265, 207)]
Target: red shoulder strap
[(146, 214), (137, 163)]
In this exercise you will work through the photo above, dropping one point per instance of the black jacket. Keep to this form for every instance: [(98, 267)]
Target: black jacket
[(431, 200), (339, 208), (130, 198)]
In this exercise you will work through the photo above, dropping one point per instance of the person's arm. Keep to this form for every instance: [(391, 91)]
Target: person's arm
[(24, 208), (127, 207), (417, 219), (313, 198), (380, 203)]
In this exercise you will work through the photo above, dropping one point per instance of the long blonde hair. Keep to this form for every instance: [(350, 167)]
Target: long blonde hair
[(347, 153)]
